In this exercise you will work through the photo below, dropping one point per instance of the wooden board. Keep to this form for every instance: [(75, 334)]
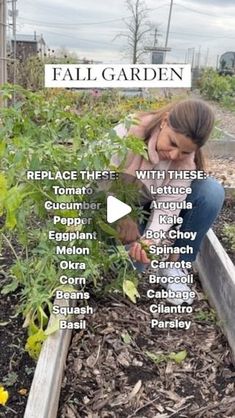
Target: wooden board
[(219, 148), (45, 389), (225, 135), (217, 274)]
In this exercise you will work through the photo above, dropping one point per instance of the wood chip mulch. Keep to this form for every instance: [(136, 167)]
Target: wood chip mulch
[(109, 372)]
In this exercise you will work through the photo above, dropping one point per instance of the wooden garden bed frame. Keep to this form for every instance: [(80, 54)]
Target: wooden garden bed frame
[(217, 274)]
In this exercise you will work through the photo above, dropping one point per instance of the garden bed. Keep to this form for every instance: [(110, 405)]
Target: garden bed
[(102, 357), (117, 367), (109, 373)]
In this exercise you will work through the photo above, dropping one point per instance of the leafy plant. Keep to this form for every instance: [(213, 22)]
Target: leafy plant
[(217, 87), (10, 379), (206, 315), (55, 131), (228, 233), (157, 358)]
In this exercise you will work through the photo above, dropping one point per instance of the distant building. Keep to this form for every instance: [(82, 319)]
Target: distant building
[(28, 45), (227, 63)]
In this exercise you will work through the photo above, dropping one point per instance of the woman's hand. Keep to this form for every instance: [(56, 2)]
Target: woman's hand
[(128, 230), (137, 251)]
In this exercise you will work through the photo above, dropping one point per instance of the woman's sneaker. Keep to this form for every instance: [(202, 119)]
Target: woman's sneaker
[(174, 286)]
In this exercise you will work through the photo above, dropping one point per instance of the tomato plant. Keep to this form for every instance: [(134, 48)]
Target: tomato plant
[(57, 131)]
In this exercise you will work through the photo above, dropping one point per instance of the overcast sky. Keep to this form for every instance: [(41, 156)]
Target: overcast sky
[(89, 27)]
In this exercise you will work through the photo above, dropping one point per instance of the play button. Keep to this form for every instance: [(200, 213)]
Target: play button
[(116, 209)]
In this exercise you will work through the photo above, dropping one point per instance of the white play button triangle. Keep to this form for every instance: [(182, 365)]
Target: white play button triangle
[(116, 209)]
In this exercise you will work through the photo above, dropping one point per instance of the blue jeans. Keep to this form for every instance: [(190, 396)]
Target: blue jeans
[(207, 199)]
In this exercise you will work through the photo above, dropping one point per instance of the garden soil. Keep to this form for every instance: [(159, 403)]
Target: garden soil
[(16, 367)]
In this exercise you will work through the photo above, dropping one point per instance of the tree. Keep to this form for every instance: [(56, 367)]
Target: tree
[(63, 55), (30, 72), (138, 28)]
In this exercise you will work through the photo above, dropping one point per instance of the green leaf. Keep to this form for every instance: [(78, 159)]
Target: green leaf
[(2, 148), (126, 338), (32, 327), (11, 287), (3, 194), (108, 229), (156, 358), (130, 290), (178, 357), (12, 203), (11, 219), (34, 344), (3, 183), (65, 288), (54, 326), (42, 317), (10, 379)]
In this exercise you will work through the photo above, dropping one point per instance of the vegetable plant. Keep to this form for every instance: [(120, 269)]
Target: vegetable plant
[(57, 131)]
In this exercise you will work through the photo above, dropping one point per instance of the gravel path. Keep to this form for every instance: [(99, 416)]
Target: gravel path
[(225, 118), (223, 169)]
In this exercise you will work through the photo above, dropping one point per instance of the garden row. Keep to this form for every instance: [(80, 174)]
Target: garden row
[(52, 131)]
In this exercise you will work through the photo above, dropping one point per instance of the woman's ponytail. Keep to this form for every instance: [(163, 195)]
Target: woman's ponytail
[(199, 160)]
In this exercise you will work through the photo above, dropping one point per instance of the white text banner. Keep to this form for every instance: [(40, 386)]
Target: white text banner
[(117, 76)]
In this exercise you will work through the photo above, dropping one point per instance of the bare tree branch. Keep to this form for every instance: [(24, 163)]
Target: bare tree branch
[(138, 27)]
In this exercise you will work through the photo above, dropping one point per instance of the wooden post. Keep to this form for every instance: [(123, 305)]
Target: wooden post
[(3, 58)]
